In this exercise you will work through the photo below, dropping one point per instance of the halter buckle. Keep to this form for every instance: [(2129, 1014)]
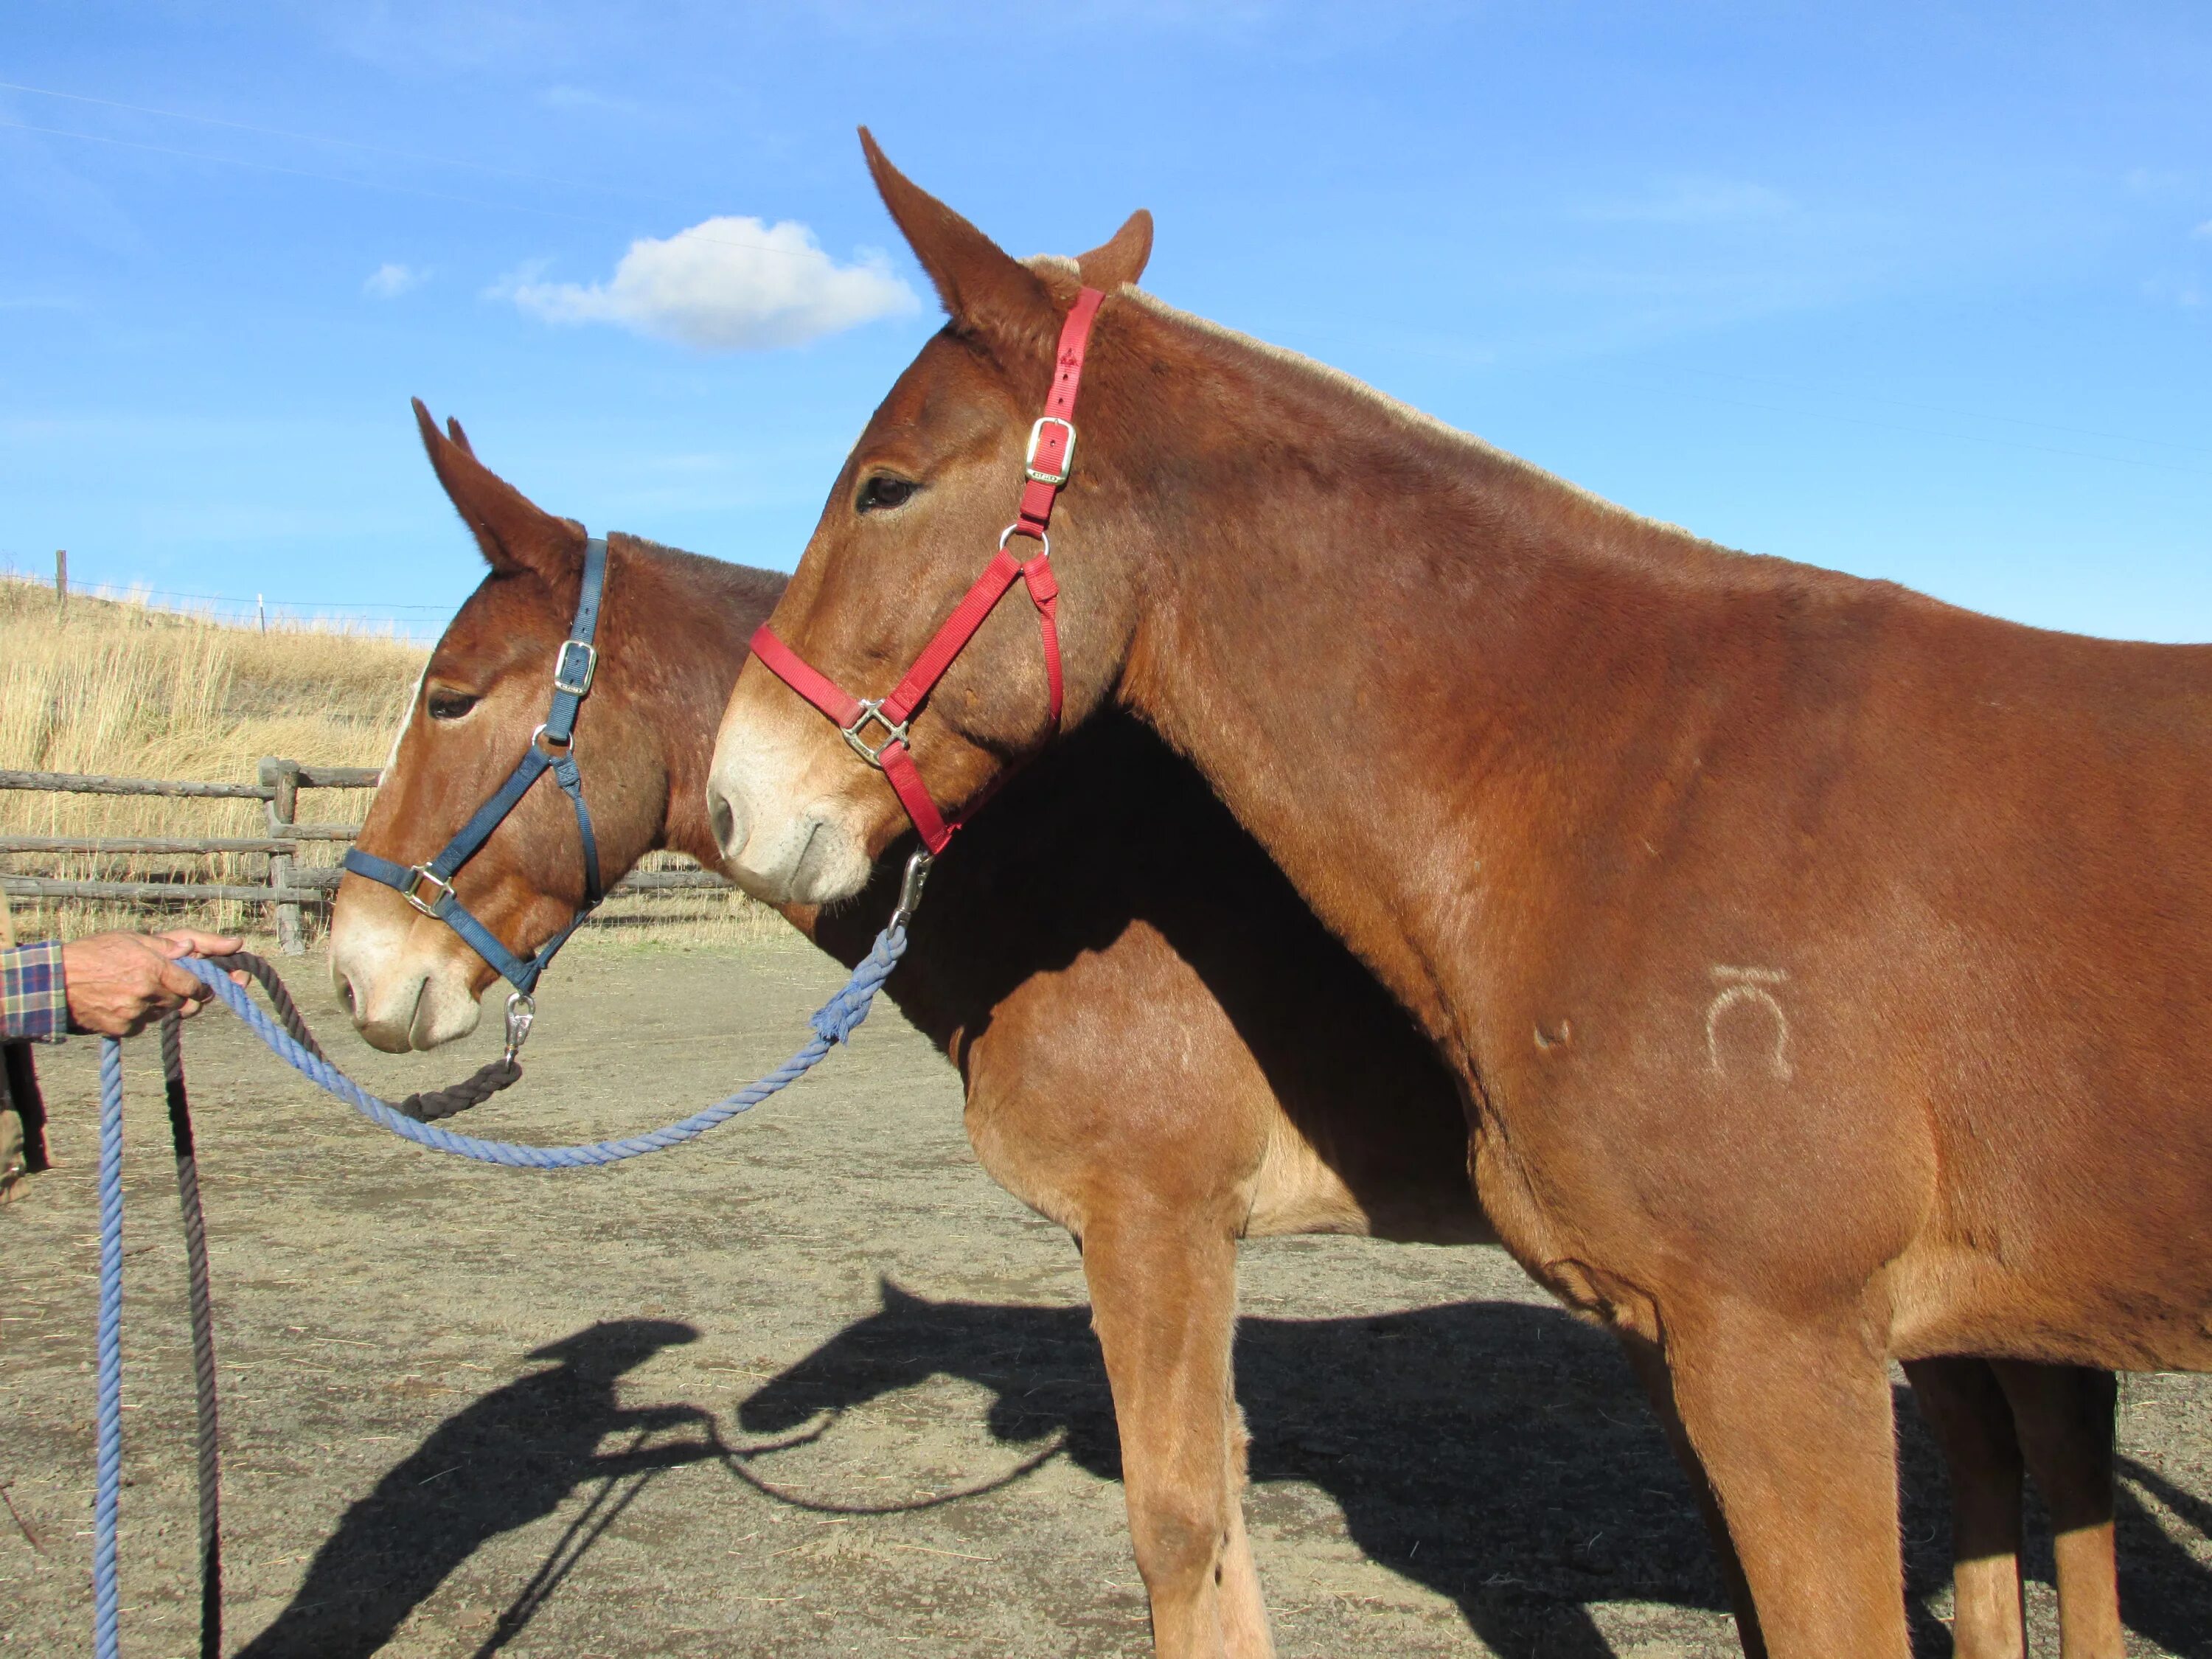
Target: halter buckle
[(572, 673), (417, 878), (1030, 469), (872, 709)]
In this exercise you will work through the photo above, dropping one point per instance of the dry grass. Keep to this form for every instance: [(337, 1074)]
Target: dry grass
[(128, 688)]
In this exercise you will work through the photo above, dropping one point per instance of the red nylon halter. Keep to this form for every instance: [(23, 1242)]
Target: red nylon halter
[(1045, 472)]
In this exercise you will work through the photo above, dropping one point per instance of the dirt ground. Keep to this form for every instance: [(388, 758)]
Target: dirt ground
[(815, 1386)]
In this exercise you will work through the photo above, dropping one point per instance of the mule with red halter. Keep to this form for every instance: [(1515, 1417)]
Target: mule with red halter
[(1580, 762), (1046, 467)]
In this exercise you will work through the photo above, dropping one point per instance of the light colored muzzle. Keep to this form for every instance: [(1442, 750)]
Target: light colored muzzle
[(406, 979), (782, 800)]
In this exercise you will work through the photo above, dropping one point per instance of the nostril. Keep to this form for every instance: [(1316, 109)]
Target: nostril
[(346, 993), (724, 819)]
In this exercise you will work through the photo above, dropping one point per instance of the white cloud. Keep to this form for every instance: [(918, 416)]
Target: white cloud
[(1694, 202), (727, 284), (389, 282)]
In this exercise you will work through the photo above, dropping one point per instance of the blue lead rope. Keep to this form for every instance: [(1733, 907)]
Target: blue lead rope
[(835, 1022), (107, 1457)]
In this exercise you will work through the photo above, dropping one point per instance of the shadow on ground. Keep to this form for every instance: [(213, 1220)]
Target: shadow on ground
[(1499, 1454), (509, 1457)]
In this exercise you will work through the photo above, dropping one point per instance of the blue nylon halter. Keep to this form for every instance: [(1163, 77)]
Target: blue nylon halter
[(552, 749)]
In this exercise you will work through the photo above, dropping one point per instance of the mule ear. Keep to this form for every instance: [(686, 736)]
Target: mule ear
[(983, 287), (1121, 260), (454, 431), (515, 534)]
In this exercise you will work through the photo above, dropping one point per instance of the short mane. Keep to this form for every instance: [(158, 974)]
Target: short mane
[(1417, 421)]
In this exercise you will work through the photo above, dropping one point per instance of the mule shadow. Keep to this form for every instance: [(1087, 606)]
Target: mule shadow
[(509, 1457), (2165, 1592), (1499, 1454)]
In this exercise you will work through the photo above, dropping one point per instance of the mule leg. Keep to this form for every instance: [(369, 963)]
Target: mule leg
[(1792, 1421), (2064, 1414), (1164, 1302), (1972, 1422), (1650, 1368)]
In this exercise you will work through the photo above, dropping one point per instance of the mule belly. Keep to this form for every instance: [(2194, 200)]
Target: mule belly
[(1266, 1184), (2087, 1244), (1413, 1199)]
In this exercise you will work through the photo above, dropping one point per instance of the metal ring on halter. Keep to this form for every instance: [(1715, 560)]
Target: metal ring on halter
[(1043, 541), (556, 750), (521, 1011), (419, 877), (872, 709)]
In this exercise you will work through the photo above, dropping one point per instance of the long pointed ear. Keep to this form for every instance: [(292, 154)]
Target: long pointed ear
[(454, 431), (895, 1300), (1121, 260), (515, 534), (984, 289)]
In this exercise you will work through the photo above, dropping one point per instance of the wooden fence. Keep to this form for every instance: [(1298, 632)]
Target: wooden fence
[(290, 886)]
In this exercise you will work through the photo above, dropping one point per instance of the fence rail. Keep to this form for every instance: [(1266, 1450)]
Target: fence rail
[(288, 887)]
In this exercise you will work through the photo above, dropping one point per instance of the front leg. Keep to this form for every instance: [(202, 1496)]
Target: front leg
[(1163, 1300), (1789, 1416)]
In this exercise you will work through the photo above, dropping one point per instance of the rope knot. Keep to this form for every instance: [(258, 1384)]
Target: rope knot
[(838, 1018)]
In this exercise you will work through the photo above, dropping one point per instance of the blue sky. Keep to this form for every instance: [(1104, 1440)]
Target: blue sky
[(1920, 291)]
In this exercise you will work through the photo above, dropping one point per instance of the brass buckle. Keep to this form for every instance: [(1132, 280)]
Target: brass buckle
[(873, 709), (1067, 456), (573, 680), (418, 878)]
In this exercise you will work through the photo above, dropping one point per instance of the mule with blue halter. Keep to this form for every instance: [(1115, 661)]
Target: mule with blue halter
[(429, 888), (552, 749)]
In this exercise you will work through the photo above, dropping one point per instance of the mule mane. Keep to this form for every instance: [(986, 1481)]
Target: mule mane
[(732, 583), (1491, 460)]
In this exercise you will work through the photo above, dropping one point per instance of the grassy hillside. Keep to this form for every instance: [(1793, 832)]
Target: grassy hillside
[(128, 688)]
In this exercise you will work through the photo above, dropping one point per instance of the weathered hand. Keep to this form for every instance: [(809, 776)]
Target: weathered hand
[(118, 983)]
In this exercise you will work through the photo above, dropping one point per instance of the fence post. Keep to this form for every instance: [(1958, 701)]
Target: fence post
[(61, 582), (283, 776)]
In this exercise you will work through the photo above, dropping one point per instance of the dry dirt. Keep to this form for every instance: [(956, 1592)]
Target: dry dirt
[(815, 1386)]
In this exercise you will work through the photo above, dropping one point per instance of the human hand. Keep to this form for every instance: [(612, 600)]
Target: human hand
[(196, 944), (118, 983)]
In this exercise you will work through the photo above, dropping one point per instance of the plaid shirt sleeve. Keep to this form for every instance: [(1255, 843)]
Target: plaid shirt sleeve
[(33, 1002)]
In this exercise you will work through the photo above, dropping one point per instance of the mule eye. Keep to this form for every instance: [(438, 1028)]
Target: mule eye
[(449, 705), (884, 492)]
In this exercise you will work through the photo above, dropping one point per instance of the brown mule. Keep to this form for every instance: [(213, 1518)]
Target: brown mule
[(1162, 1051), (1824, 968)]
